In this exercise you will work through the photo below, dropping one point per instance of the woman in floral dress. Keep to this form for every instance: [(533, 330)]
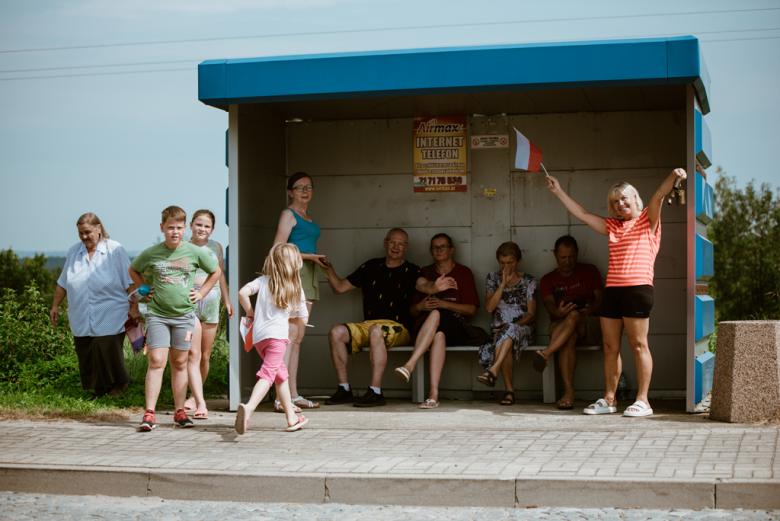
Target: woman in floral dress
[(511, 298)]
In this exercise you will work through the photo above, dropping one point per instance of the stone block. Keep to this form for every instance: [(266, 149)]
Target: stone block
[(236, 486), (615, 493), (752, 494), (411, 490), (78, 481), (746, 381)]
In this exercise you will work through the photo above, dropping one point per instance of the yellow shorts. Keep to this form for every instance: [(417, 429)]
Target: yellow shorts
[(395, 334)]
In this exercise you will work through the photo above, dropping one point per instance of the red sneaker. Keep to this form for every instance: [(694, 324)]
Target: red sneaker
[(147, 423), (180, 417)]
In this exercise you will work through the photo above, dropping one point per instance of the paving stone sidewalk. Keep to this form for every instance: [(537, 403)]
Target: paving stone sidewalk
[(461, 439)]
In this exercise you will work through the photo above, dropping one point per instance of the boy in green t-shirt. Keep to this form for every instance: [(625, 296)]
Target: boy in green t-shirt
[(170, 321)]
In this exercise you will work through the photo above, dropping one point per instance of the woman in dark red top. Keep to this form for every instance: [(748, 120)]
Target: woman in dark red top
[(440, 316), (634, 238)]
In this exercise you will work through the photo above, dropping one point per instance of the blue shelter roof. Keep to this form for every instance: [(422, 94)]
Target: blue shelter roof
[(606, 63)]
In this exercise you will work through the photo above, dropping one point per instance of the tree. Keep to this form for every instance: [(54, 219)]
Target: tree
[(17, 274), (746, 236)]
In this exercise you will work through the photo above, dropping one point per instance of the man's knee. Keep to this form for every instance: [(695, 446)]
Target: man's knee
[(338, 333), (434, 316), (375, 334), (574, 317)]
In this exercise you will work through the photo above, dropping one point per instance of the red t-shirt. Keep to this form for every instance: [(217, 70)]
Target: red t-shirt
[(584, 280), (466, 293), (632, 251)]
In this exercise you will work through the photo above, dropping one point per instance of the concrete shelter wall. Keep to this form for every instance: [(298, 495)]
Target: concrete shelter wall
[(362, 172)]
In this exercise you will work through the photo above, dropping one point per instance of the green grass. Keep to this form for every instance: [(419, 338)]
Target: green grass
[(52, 389)]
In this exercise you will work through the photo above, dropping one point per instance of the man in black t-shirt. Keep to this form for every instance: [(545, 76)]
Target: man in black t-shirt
[(388, 285)]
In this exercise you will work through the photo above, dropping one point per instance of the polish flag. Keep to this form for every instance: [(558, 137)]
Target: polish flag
[(528, 157)]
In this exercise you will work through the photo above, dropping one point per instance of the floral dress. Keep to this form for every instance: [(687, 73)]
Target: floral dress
[(512, 307)]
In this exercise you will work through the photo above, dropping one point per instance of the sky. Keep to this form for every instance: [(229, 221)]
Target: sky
[(83, 129)]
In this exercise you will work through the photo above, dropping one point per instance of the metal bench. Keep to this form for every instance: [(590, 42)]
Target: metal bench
[(418, 375)]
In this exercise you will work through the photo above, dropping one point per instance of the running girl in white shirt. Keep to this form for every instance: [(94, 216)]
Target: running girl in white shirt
[(280, 302)]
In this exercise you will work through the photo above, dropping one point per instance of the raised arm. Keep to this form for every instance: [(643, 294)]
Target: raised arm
[(338, 285), (432, 287), (657, 202), (596, 222)]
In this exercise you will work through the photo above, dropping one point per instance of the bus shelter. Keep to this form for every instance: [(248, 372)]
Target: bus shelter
[(600, 111)]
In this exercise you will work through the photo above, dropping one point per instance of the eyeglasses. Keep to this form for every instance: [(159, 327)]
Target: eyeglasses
[(307, 188), (440, 248)]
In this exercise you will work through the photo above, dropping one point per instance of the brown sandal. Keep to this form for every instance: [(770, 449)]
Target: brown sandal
[(568, 400)]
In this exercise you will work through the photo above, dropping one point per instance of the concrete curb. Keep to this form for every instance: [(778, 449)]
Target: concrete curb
[(386, 489)]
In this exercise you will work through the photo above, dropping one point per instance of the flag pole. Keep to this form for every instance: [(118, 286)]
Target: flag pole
[(545, 170)]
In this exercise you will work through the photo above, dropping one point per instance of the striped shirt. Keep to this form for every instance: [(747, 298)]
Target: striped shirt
[(97, 289), (632, 251)]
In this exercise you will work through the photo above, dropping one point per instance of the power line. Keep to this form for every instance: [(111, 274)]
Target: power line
[(96, 74), (196, 60), (741, 39), (349, 31)]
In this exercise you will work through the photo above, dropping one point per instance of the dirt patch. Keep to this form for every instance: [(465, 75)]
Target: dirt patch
[(41, 415)]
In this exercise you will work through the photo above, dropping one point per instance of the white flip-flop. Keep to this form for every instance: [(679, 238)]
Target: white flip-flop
[(644, 410), (600, 407)]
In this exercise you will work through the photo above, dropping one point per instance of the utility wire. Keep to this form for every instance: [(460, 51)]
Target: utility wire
[(96, 74), (348, 31), (196, 60)]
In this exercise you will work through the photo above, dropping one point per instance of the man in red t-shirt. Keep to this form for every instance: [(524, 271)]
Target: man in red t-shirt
[(440, 316), (572, 295)]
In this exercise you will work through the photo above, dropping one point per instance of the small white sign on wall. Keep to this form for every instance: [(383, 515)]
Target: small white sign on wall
[(501, 141)]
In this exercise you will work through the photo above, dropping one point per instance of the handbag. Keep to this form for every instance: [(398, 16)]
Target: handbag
[(477, 335)]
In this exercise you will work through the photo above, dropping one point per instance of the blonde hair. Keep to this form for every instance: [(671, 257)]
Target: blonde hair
[(281, 267), (175, 213), (207, 213), (618, 190), (93, 220)]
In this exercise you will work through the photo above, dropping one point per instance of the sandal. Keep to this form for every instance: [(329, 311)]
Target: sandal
[(640, 409), (242, 422), (278, 407), (508, 398), (489, 380), (305, 404), (600, 407), (301, 422), (201, 414), (402, 374), (429, 404), (190, 405), (566, 402), (540, 362)]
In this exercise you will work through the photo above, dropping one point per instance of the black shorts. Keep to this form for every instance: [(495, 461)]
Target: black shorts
[(627, 302), (452, 327)]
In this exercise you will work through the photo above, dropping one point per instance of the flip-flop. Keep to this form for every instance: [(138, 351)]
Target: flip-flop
[(509, 395), (429, 404), (190, 405), (566, 398), (201, 414), (242, 423), (643, 410), (600, 407), (540, 362), (402, 374), (301, 422), (489, 380), (307, 404), (278, 407)]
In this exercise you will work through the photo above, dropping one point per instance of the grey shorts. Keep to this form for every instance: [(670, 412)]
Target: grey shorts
[(175, 332)]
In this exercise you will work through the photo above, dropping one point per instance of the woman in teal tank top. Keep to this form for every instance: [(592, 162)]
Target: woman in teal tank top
[(297, 227)]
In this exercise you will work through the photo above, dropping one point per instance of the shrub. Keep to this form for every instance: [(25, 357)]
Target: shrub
[(26, 335)]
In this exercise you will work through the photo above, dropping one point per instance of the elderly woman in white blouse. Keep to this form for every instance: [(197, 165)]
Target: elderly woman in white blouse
[(96, 281)]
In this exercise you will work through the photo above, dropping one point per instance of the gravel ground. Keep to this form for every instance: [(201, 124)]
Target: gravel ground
[(20, 506)]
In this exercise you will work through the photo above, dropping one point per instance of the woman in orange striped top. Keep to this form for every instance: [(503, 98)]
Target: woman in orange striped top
[(634, 238)]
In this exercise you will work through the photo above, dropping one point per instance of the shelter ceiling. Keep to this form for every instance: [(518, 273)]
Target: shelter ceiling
[(597, 99)]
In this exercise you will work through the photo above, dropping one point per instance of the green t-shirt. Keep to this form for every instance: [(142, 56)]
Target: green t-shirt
[(173, 274)]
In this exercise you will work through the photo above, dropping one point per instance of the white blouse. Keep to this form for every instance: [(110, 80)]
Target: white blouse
[(97, 289)]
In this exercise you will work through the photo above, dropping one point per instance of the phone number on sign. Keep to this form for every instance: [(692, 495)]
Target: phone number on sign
[(441, 180)]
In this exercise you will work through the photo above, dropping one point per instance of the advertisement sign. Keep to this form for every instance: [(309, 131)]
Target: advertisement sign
[(440, 154)]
